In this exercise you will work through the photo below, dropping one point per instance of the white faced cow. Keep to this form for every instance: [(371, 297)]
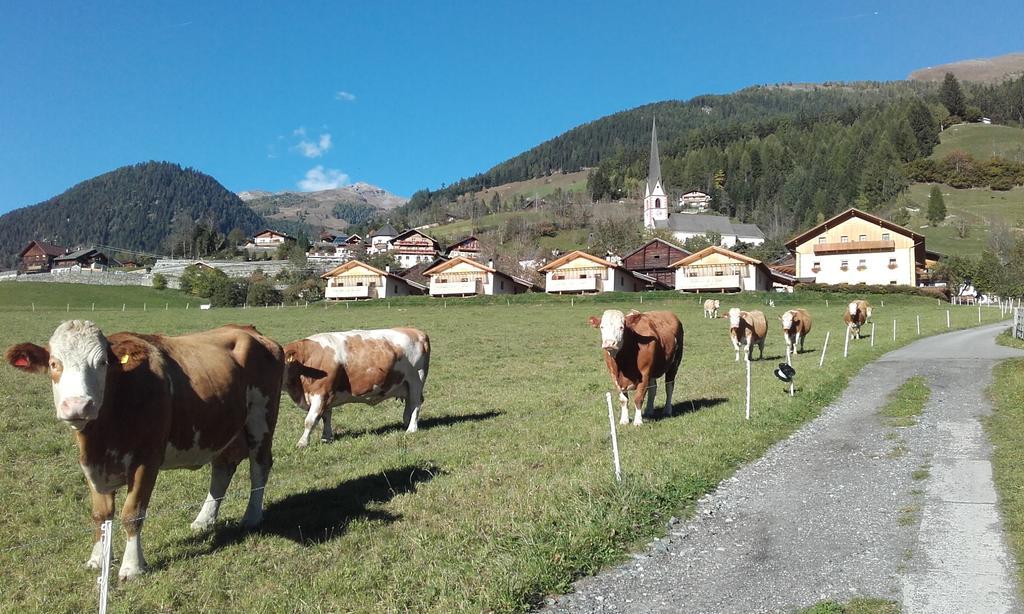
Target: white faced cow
[(796, 323), (359, 366), (856, 314), (638, 349), (747, 329), (711, 307), (141, 403)]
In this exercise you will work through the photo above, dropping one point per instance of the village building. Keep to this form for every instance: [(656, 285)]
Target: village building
[(468, 247), (357, 280), (856, 247), (655, 259), (579, 272), (37, 257), (683, 226), (88, 258), (380, 239), (270, 238), (413, 247), (694, 201), (717, 269), (466, 277)]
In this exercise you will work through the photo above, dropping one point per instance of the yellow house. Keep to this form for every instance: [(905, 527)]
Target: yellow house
[(578, 272), (356, 280), (462, 276), (855, 247), (717, 269)]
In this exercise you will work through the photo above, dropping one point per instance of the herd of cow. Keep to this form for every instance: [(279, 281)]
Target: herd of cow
[(140, 403)]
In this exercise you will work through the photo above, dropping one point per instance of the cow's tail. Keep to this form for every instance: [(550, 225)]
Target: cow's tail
[(425, 347)]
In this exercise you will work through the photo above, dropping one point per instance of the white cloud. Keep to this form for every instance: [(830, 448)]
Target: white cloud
[(320, 178), (310, 149), (346, 96)]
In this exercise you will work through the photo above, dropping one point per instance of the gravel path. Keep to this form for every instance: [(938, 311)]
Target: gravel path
[(834, 512)]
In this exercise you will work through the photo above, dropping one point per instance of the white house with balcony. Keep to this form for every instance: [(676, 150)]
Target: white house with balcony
[(380, 239), (581, 273), (465, 277), (270, 238), (717, 269), (856, 247), (357, 280)]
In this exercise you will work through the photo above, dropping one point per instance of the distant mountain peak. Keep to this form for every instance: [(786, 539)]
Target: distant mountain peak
[(986, 70)]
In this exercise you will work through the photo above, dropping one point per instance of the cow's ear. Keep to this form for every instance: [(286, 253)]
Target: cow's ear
[(28, 357), (632, 317), (128, 354), (595, 321)]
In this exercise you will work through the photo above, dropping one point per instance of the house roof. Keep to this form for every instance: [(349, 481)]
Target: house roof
[(656, 240), (715, 249), (47, 248), (82, 253), (387, 230), (709, 223), (554, 264), (413, 231), (415, 273), (444, 266), (276, 232), (845, 215), (460, 242)]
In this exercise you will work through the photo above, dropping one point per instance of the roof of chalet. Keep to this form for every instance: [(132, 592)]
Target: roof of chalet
[(48, 249), (76, 255), (715, 249), (554, 264), (387, 230), (415, 272), (460, 242), (444, 266), (846, 215), (413, 231), (656, 240), (272, 231), (351, 264), (710, 223)]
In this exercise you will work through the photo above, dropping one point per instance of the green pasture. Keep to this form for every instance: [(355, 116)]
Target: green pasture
[(505, 495), (981, 141), (980, 207)]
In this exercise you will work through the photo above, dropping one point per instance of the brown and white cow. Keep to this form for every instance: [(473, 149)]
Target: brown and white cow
[(857, 312), (638, 349), (796, 323), (747, 328), (359, 366), (141, 403), (711, 307)]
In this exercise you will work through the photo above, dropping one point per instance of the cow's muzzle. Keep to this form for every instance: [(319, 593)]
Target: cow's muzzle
[(76, 411)]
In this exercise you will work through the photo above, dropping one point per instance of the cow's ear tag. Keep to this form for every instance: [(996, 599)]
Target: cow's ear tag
[(125, 358), (290, 358)]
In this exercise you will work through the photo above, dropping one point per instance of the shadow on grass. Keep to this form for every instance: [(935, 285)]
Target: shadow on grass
[(317, 516), (424, 424), (685, 407)]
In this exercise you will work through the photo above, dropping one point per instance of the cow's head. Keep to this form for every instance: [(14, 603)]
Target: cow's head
[(716, 303), (867, 312), (853, 308), (299, 374), (613, 326), (76, 360), (734, 317), (787, 320)]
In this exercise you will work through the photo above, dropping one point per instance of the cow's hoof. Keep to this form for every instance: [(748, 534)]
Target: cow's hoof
[(202, 525), (324, 440), (301, 444), (96, 557), (251, 522), (130, 572)]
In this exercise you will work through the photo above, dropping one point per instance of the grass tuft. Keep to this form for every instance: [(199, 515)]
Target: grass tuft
[(857, 605), (906, 403), (1004, 428)]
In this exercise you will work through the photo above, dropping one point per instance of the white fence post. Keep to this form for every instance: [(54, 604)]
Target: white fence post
[(894, 330), (748, 386), (106, 532), (979, 314), (823, 348), (615, 439), (872, 334), (947, 318), (918, 325), (846, 342)]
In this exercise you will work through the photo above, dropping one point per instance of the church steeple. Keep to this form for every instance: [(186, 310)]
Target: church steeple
[(655, 198)]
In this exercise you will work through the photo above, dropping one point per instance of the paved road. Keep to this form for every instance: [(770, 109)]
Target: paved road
[(833, 512)]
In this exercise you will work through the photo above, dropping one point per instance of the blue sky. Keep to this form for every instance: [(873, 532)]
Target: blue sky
[(408, 95)]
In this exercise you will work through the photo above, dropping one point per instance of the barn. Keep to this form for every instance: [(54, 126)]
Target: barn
[(38, 257), (654, 259)]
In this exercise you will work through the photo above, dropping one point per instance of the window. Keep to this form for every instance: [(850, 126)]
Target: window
[(816, 267), (844, 265), (821, 240), (862, 265), (719, 273), (862, 238), (844, 239), (892, 283), (892, 263), (885, 236), (657, 203), (502, 285)]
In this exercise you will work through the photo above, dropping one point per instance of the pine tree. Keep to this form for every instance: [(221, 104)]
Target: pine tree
[(936, 206), (951, 96)]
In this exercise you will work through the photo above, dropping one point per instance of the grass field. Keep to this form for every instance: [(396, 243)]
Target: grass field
[(982, 141), (979, 206), (1004, 428), (506, 493)]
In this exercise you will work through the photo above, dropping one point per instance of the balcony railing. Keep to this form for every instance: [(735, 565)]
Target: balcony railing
[(854, 246), (350, 292), (456, 288), (588, 284), (709, 282)]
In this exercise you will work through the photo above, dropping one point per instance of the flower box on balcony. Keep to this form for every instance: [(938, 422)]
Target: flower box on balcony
[(816, 269), (844, 268)]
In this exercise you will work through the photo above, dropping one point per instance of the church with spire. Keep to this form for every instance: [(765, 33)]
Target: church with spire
[(686, 225)]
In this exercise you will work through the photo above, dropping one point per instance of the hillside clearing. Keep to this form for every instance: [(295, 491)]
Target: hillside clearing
[(981, 208), (506, 494), (982, 141)]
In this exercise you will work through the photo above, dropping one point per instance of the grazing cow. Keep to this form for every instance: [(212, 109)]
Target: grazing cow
[(711, 307), (857, 312), (638, 349), (141, 403), (796, 323), (751, 327), (359, 366)]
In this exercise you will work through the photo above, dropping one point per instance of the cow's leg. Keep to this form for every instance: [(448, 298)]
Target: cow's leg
[(327, 436), (760, 345), (316, 402), (133, 514), (736, 346), (102, 510), (670, 383), (259, 435), (652, 391), (749, 350), (623, 407), (221, 473), (638, 399), (413, 400), (798, 343)]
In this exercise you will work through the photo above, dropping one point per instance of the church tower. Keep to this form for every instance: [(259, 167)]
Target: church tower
[(655, 198)]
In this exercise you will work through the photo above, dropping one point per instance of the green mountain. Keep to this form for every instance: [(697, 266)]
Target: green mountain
[(134, 207)]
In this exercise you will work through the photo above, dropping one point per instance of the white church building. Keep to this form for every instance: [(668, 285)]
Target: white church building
[(683, 227)]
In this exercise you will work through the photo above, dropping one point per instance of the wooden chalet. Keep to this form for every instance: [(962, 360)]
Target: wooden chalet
[(88, 258), (38, 257), (717, 269), (465, 248), (467, 277), (413, 247), (579, 272), (270, 238), (655, 259), (357, 280)]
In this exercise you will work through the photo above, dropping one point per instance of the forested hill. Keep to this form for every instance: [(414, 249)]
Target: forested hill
[(775, 155), (134, 207)]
